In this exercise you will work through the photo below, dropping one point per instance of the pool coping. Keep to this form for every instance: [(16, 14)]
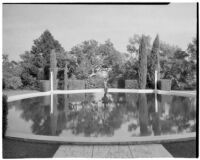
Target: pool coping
[(103, 140), (100, 90)]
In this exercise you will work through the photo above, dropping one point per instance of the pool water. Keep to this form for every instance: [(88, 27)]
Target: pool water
[(98, 115)]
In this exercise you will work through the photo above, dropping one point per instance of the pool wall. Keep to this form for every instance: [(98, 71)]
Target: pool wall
[(84, 140)]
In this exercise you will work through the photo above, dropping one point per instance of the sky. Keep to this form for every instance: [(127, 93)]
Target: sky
[(72, 24)]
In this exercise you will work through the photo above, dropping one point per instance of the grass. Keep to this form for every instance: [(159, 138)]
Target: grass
[(5, 113), (20, 149), (182, 149)]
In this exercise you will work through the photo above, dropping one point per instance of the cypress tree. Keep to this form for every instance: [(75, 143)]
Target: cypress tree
[(142, 101), (142, 62), (154, 61)]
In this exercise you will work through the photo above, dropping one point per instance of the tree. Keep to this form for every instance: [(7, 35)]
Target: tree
[(92, 57), (84, 69), (41, 50), (154, 62), (29, 70), (110, 55), (11, 74), (113, 60), (87, 58), (134, 43), (43, 45), (36, 63), (192, 49), (166, 50), (85, 49), (181, 70), (167, 61), (180, 55), (143, 51)]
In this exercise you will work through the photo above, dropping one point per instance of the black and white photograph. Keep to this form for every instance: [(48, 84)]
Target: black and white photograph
[(100, 80)]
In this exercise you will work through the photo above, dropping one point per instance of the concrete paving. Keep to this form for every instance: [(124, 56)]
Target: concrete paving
[(74, 151), (149, 151), (112, 151)]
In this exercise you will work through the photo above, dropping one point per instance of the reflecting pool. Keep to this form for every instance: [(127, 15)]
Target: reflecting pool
[(99, 115)]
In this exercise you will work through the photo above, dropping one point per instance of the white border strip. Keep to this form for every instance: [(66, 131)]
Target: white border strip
[(115, 90), (79, 91), (178, 93), (28, 95), (99, 90), (105, 140)]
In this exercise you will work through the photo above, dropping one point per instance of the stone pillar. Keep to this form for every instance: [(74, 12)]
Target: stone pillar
[(53, 68)]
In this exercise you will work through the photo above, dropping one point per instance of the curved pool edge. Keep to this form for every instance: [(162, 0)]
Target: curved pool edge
[(102, 141), (98, 90), (99, 141)]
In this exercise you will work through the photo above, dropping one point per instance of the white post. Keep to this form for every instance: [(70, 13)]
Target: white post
[(155, 80), (156, 102), (51, 92)]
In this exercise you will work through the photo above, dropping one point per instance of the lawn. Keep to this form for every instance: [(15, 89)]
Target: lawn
[(21, 149)]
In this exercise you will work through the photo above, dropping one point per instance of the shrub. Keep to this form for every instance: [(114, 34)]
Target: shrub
[(13, 83), (5, 112), (61, 85), (4, 84), (95, 82), (29, 81)]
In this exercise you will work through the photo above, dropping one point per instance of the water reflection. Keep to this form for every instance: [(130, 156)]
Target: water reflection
[(105, 115), (143, 115), (37, 110)]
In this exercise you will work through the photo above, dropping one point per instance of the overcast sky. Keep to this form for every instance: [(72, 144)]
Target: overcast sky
[(72, 24)]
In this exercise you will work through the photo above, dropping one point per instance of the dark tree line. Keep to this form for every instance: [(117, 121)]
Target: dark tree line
[(91, 57)]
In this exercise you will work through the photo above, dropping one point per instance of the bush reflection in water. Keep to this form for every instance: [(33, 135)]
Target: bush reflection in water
[(96, 115)]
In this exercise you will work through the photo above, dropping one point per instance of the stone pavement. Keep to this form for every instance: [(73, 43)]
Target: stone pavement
[(112, 151)]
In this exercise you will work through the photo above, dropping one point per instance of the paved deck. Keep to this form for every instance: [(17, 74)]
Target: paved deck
[(112, 151)]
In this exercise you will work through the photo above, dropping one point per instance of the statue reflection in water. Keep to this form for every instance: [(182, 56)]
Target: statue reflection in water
[(105, 98)]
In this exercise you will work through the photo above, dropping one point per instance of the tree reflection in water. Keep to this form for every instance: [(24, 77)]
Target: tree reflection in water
[(183, 114), (143, 115), (91, 115), (38, 111)]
